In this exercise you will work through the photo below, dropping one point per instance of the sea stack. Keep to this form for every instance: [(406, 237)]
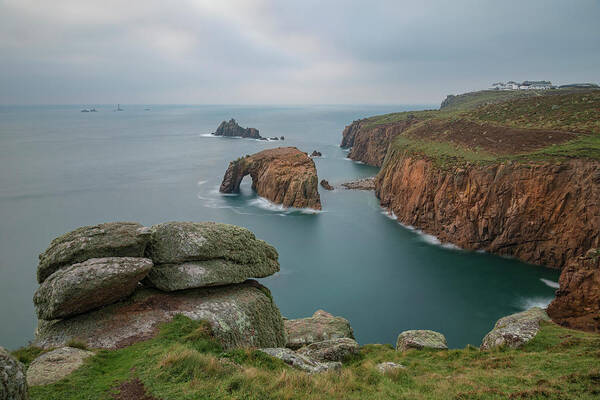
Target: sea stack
[(232, 129)]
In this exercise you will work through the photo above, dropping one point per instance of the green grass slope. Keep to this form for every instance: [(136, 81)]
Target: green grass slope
[(184, 362)]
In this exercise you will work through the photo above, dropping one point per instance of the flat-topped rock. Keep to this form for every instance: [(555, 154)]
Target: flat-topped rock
[(360, 184), (55, 365), (330, 350), (300, 361), (421, 339), (13, 383), (241, 315), (232, 129), (113, 239), (515, 330), (283, 175), (88, 285), (321, 326)]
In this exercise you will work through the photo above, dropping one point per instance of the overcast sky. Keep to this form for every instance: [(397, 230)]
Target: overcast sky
[(292, 52)]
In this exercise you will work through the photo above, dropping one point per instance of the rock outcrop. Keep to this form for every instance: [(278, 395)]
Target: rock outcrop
[(321, 326), (232, 129), (13, 383), (88, 285), (283, 175), (360, 184), (515, 330), (316, 154), (325, 185), (421, 339), (113, 239), (577, 302), (55, 365), (300, 361), (388, 367), (101, 302), (330, 350), (543, 213)]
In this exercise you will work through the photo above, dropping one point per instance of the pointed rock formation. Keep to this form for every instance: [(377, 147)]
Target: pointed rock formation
[(283, 175), (232, 129)]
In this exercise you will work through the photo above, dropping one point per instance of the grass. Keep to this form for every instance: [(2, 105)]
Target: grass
[(185, 362)]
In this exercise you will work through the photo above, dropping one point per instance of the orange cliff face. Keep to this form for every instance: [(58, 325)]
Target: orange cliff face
[(283, 175), (545, 213), (577, 302)]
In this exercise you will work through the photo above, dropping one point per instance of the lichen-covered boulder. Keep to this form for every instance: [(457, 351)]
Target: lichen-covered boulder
[(515, 330), (388, 367), (13, 383), (421, 339), (179, 242), (321, 326), (300, 361), (330, 350), (242, 315), (88, 285), (113, 239), (55, 365)]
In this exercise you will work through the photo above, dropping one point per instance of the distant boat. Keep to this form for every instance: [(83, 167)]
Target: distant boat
[(119, 108)]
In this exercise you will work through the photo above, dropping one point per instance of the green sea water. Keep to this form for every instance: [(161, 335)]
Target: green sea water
[(61, 169)]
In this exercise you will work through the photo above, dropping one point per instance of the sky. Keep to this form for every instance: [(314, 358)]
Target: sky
[(286, 51)]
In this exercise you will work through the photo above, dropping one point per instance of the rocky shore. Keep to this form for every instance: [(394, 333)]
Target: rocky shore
[(283, 175)]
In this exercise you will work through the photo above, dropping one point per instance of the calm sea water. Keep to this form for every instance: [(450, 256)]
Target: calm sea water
[(61, 169)]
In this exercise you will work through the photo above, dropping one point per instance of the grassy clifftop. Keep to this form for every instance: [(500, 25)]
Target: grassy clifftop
[(185, 362)]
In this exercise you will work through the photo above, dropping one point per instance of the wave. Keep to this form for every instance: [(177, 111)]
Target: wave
[(354, 161), (550, 283), (201, 183), (268, 205), (207, 135), (527, 303)]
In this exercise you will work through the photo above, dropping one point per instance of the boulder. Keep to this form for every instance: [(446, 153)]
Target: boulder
[(13, 383), (388, 366), (321, 326), (331, 350), (325, 184), (180, 242), (55, 365), (197, 274), (300, 361), (316, 154), (421, 339), (242, 315), (88, 285), (231, 128), (284, 175), (113, 239), (515, 330)]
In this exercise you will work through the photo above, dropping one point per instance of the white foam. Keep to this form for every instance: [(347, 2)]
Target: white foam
[(527, 303), (201, 183), (390, 215), (550, 283), (266, 204), (207, 135)]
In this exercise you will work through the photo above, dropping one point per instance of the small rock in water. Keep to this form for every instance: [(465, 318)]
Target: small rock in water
[(316, 154), (361, 184), (325, 184)]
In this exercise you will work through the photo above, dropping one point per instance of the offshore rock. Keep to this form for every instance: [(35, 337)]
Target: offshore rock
[(13, 384), (331, 350), (231, 128), (321, 326), (283, 175), (113, 239), (55, 365), (421, 339), (577, 301), (316, 154), (300, 361), (515, 330), (325, 184), (241, 315), (88, 285), (361, 184)]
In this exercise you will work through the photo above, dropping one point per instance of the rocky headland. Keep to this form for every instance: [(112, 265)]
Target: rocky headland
[(232, 129), (284, 175)]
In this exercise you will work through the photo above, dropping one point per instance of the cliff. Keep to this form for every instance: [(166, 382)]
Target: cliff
[(284, 175), (232, 129)]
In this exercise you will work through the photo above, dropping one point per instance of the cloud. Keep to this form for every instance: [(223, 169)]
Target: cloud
[(268, 51)]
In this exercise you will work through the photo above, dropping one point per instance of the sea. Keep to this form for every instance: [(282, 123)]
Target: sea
[(61, 168)]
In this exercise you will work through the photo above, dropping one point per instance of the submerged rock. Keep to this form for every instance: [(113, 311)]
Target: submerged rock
[(421, 339), (242, 315), (231, 128), (321, 326), (113, 239), (88, 285), (515, 330), (283, 175), (13, 384), (331, 350), (577, 301), (300, 361), (55, 365), (325, 184)]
